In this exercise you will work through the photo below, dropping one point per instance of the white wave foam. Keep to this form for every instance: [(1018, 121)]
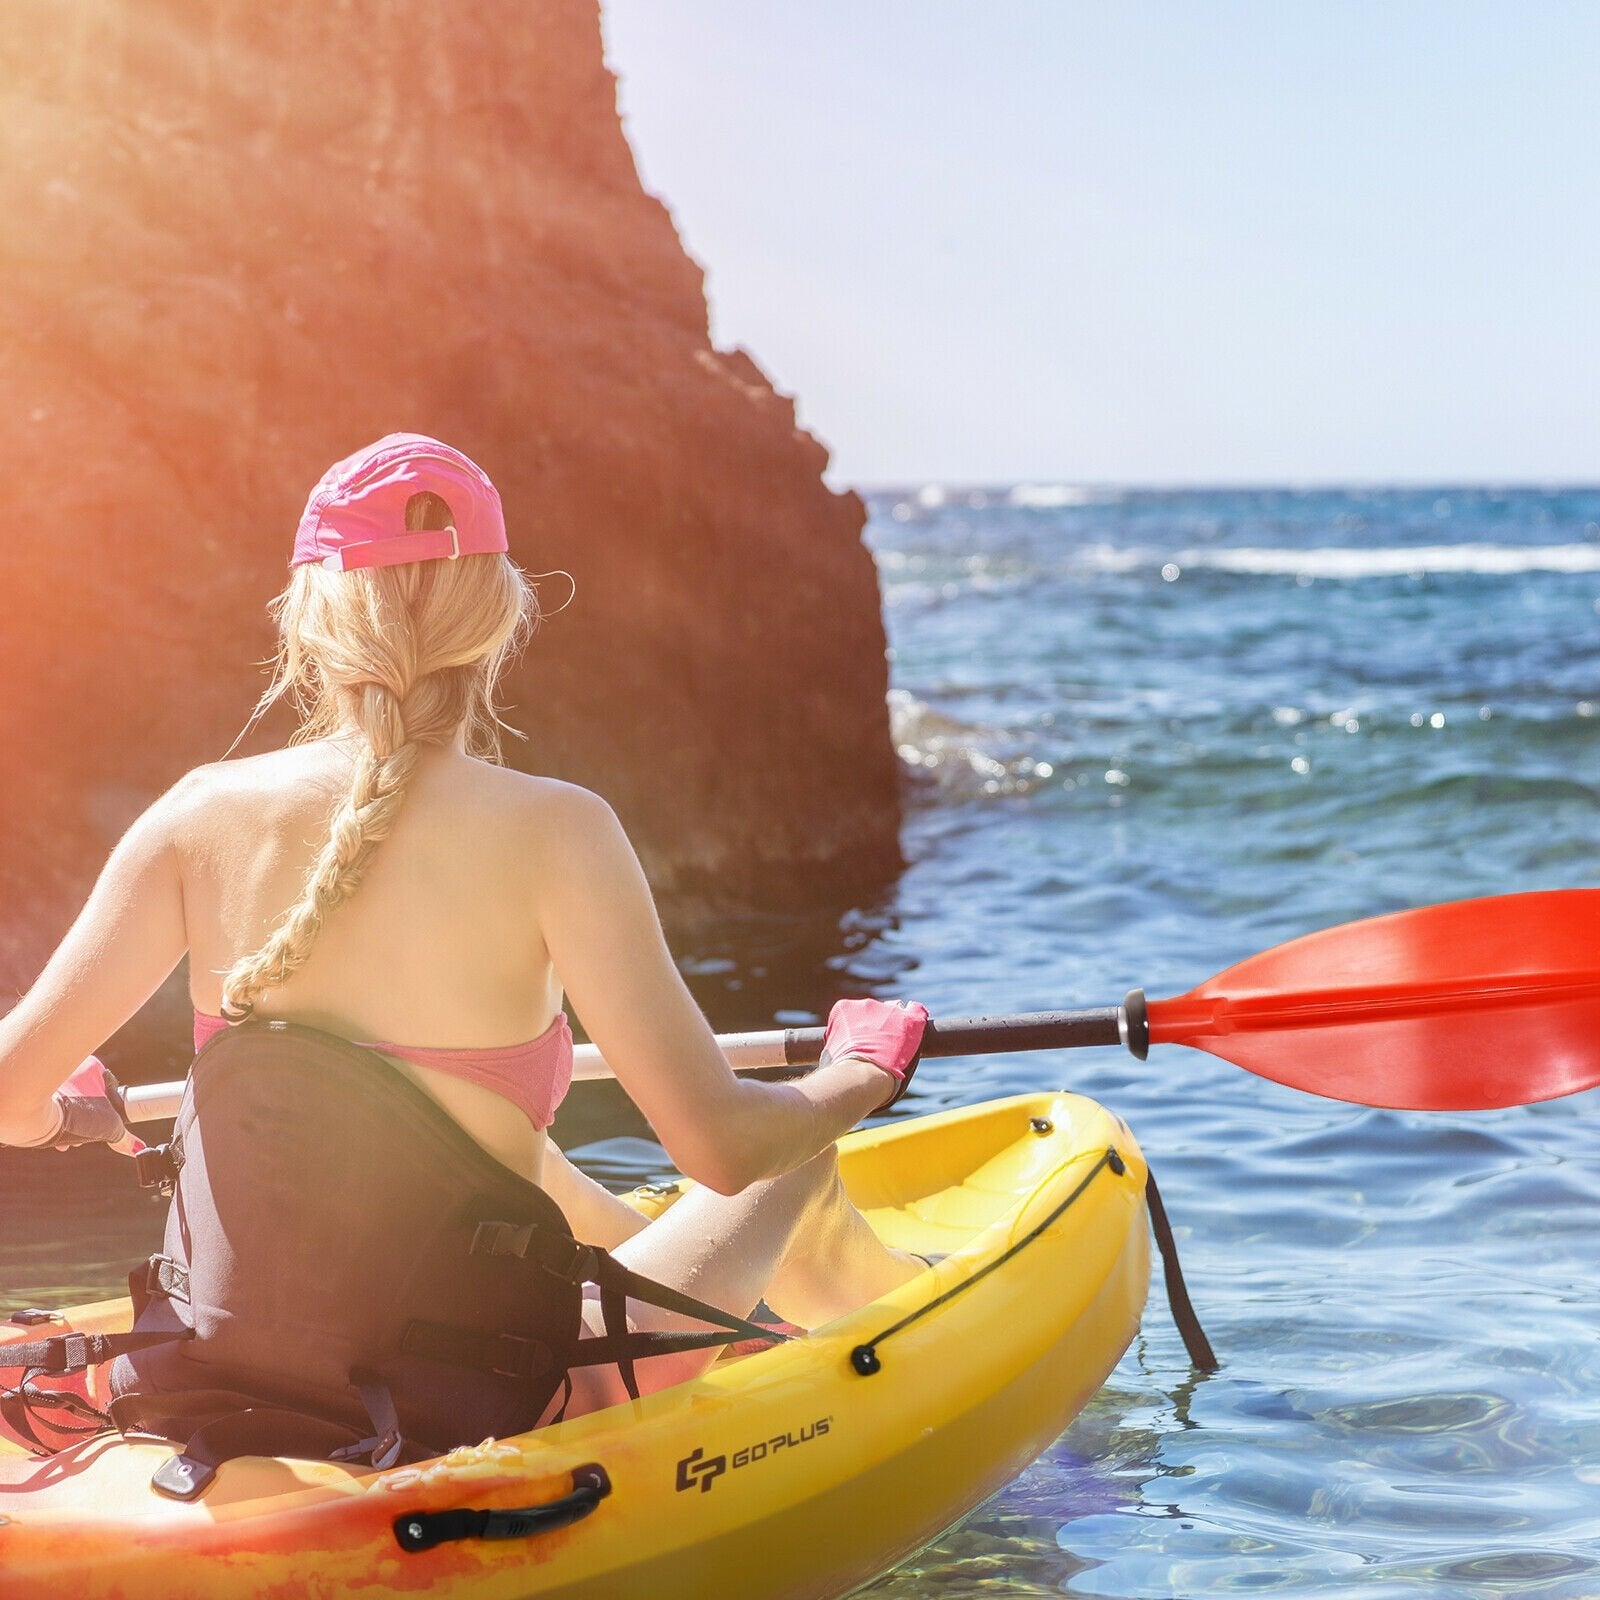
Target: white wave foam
[(961, 755), (1113, 558), (1335, 562), (1342, 562), (1049, 496)]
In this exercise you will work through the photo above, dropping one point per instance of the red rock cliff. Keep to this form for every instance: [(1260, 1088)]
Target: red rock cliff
[(243, 239)]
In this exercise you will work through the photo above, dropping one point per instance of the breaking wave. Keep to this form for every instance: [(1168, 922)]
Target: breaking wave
[(1341, 562)]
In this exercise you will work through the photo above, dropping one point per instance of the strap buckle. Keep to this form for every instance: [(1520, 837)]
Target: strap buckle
[(520, 1360), (65, 1354), (164, 1276), (559, 1254), (501, 1239), (158, 1168), (506, 1355), (567, 1258)]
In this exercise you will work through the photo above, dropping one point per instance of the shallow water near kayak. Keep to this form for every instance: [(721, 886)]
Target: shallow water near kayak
[(1145, 735)]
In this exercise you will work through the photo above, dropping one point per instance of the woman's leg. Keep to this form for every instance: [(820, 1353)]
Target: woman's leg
[(796, 1240), (595, 1214)]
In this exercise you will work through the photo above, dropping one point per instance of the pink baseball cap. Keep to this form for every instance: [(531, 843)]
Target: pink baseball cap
[(356, 516)]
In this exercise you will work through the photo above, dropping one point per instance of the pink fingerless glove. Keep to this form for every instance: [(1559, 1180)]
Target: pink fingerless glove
[(87, 1114), (888, 1035)]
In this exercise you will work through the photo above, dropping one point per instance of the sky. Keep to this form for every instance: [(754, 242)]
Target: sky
[(1122, 241)]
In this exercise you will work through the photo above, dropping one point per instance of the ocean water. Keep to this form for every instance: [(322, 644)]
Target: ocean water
[(1149, 734), (1146, 734)]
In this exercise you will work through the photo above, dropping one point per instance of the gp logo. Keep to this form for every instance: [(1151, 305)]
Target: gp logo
[(698, 1467), (698, 1470)]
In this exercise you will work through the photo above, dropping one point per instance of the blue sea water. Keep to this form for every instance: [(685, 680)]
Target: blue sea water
[(1146, 734), (1151, 733)]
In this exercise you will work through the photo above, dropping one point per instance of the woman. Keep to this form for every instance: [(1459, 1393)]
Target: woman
[(384, 879)]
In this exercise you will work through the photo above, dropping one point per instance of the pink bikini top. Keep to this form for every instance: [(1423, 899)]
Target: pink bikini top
[(534, 1076)]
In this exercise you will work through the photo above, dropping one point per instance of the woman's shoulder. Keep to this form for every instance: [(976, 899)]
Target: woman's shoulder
[(248, 797), (556, 806), (297, 773), (284, 786), (561, 826)]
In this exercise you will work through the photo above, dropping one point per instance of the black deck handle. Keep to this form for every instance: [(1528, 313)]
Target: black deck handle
[(422, 1530)]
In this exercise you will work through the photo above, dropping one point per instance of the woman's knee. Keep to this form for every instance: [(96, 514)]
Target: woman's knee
[(811, 1179), (823, 1167)]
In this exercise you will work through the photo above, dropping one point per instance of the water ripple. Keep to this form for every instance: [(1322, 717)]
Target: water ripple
[(1327, 712)]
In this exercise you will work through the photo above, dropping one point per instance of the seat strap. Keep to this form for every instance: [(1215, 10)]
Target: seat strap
[(63, 1354), (610, 1271), (566, 1396), (515, 1357), (278, 1431), (511, 1357), (255, 1431), (507, 1355), (631, 1346), (624, 1346), (614, 1317), (565, 1258), (387, 1441)]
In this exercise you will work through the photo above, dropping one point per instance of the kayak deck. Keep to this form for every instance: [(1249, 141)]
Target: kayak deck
[(788, 1472)]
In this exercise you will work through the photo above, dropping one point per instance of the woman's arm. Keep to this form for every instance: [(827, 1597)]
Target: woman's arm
[(126, 940), (605, 939)]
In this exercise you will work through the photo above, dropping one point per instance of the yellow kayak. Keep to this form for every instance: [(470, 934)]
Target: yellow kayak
[(801, 1470)]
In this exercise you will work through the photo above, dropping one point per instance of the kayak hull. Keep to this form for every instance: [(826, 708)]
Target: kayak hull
[(786, 1474)]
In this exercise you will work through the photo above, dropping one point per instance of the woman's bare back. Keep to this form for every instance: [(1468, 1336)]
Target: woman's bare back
[(442, 946)]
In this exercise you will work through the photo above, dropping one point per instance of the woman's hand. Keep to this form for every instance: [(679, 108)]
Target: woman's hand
[(88, 1115), (888, 1035)]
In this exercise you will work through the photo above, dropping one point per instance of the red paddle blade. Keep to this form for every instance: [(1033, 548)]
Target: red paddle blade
[(1457, 1007)]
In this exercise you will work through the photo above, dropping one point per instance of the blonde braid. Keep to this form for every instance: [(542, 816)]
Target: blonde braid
[(410, 654), (360, 823)]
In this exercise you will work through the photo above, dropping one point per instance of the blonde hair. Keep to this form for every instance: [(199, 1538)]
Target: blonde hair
[(408, 654)]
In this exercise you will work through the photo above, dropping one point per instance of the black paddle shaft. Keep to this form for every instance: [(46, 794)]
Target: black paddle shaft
[(1029, 1030)]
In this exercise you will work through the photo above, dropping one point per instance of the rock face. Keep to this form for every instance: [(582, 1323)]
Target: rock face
[(243, 240)]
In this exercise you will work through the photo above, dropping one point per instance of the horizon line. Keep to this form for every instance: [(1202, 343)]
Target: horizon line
[(1182, 485)]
